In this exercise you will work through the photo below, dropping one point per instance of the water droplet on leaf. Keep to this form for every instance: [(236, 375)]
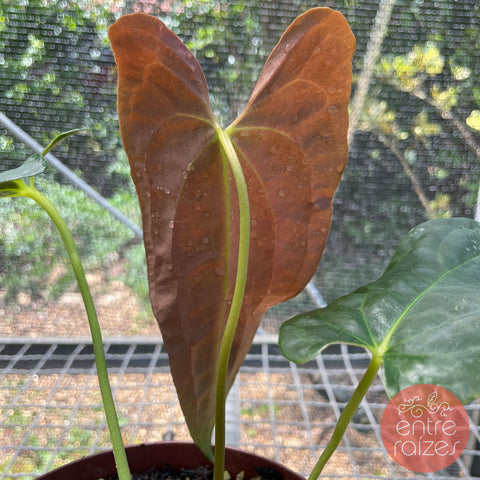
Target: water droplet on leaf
[(220, 270), (332, 109)]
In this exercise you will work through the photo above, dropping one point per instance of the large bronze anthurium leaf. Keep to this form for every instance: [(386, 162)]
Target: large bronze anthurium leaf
[(421, 317), (291, 142)]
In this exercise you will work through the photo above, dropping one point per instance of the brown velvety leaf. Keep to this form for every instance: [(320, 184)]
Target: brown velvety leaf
[(291, 141), (292, 134)]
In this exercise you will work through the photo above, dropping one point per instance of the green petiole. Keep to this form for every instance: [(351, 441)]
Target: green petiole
[(237, 301), (19, 188), (347, 414)]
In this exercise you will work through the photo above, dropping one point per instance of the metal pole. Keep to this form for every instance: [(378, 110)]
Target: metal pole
[(315, 294), (16, 131)]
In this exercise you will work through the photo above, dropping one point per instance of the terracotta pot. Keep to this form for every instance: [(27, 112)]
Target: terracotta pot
[(144, 457)]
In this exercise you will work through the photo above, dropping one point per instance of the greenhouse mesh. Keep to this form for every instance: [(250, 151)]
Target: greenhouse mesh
[(414, 155), (414, 151), (51, 410)]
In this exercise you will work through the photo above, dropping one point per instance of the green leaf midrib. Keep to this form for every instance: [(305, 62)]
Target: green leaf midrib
[(384, 346)]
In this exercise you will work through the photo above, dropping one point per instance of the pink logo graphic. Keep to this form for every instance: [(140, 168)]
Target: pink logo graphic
[(425, 428)]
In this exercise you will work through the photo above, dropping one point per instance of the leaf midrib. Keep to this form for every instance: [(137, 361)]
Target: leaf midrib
[(383, 346)]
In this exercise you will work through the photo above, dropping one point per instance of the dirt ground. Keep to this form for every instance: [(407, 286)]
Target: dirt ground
[(119, 311), (60, 414), (121, 314)]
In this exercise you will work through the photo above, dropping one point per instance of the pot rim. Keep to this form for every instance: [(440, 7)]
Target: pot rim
[(145, 456)]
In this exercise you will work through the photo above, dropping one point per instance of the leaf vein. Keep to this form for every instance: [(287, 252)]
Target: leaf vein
[(388, 337)]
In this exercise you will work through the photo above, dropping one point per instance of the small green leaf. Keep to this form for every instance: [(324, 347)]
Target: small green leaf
[(422, 316), (60, 137), (33, 165)]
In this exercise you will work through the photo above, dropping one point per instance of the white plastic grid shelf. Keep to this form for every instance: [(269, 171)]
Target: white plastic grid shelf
[(51, 411)]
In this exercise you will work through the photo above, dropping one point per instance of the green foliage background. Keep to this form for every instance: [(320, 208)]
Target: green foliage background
[(415, 154)]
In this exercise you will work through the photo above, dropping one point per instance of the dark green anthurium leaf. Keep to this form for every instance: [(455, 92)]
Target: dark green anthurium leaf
[(422, 316), (33, 165)]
